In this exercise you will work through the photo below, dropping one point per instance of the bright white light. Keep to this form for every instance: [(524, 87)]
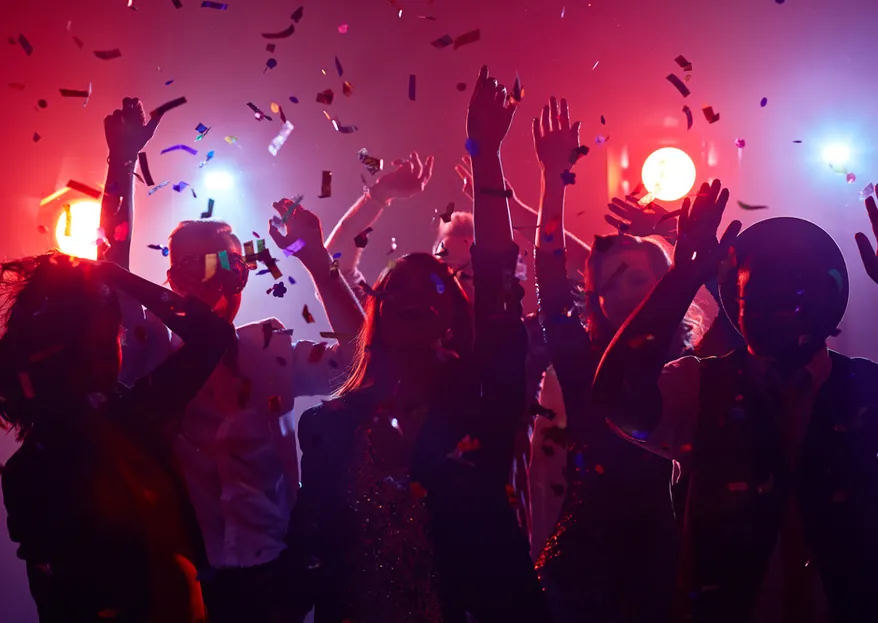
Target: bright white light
[(668, 173), (85, 219), (836, 155), (218, 180)]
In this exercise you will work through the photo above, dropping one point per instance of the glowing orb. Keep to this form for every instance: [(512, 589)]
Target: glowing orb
[(218, 180), (836, 155), (668, 174), (85, 220)]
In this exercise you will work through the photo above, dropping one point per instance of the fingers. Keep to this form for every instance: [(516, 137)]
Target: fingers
[(622, 209), (616, 223), (867, 253), (565, 115), (276, 235), (462, 173), (545, 122), (427, 171), (683, 221), (417, 166), (575, 129), (480, 82), (283, 207), (555, 122), (153, 125), (538, 133), (872, 211), (467, 162)]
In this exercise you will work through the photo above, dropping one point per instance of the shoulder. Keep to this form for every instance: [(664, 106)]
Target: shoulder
[(323, 421), (255, 328), (25, 468)]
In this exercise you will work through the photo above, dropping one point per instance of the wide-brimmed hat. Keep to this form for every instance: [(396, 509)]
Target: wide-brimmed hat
[(813, 256)]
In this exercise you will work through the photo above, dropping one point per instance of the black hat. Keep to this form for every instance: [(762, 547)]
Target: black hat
[(813, 251)]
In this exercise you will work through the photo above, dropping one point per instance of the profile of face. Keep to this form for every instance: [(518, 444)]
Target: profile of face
[(417, 306), (771, 311), (626, 278), (186, 276)]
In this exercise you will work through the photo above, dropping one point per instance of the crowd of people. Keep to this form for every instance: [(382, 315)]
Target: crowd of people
[(615, 457)]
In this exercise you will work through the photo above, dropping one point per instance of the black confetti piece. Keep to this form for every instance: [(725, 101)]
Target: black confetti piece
[(25, 45), (209, 212), (283, 34), (108, 55), (144, 167), (682, 88)]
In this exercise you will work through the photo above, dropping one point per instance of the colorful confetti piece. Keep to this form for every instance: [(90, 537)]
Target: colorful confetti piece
[(689, 120), (144, 168), (214, 5), (209, 212), (442, 42), (325, 97), (307, 315), (278, 141), (185, 148)]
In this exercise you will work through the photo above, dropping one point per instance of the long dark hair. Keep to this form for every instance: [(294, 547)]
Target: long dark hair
[(599, 328), (48, 303), (370, 368)]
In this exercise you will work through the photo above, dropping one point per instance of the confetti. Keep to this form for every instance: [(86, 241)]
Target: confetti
[(108, 55), (68, 220), (568, 178), (362, 239), (181, 186), (466, 38), (209, 212), (325, 185), (868, 190), (307, 315), (344, 129), (764, 102), (342, 29), (294, 248), (338, 67), (158, 187), (82, 188), (688, 112), (208, 158), (270, 48), (851, 178), (42, 103), (472, 147), (600, 139), (412, 87), (682, 88), (442, 42), (740, 143), (164, 108), (214, 5), (747, 206), (144, 168), (347, 88), (78, 42), (165, 251), (683, 63), (325, 97), (517, 93), (603, 120), (232, 140), (280, 35), (449, 210), (372, 164), (437, 281), (37, 137), (710, 115), (294, 100), (392, 246), (185, 148), (278, 141), (461, 86), (297, 14), (25, 45), (177, 4), (270, 64)]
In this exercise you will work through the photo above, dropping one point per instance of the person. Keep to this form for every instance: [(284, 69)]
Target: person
[(403, 474), (617, 517), (779, 438), (237, 444), (93, 496)]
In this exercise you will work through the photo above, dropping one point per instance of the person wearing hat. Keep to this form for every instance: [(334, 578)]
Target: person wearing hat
[(780, 439)]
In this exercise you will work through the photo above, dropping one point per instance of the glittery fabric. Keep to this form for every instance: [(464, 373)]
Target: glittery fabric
[(392, 577)]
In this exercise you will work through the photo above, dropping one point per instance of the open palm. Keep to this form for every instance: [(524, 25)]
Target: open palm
[(870, 258)]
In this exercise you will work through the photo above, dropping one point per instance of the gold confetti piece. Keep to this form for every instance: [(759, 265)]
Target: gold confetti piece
[(55, 195)]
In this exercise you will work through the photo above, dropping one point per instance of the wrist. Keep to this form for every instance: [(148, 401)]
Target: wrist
[(379, 197), (117, 162), (316, 260)]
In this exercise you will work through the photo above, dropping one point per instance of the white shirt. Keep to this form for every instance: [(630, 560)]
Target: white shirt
[(238, 451)]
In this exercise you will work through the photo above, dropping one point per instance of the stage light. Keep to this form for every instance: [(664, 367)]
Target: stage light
[(837, 155), (85, 219), (218, 180), (668, 174)]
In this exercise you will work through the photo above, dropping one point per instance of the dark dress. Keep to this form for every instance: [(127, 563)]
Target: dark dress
[(613, 554), (438, 539), (97, 506)]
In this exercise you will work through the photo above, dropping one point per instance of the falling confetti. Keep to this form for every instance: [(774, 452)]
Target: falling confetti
[(108, 55), (270, 64), (682, 88), (208, 158), (467, 38), (157, 247), (185, 148), (84, 189), (683, 63), (577, 153), (746, 206), (764, 102), (325, 185), (37, 137), (347, 88), (740, 143), (297, 14), (868, 190), (164, 108), (257, 112), (412, 79), (461, 86), (144, 168), (392, 246), (278, 141), (343, 29), (282, 34), (214, 5), (270, 48), (851, 178), (689, 120), (568, 178), (338, 67), (158, 187), (209, 212), (471, 146), (325, 97), (710, 115), (25, 45), (307, 315), (75, 93), (442, 42)]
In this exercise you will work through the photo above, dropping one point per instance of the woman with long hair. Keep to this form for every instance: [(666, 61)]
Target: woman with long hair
[(612, 555), (404, 474), (93, 498)]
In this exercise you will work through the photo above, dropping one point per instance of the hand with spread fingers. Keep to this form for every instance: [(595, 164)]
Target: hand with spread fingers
[(637, 220), (555, 139), (301, 227), (127, 130), (867, 252), (489, 115), (410, 178), (697, 250)]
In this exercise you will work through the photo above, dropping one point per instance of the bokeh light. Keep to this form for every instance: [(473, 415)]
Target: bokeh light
[(85, 220), (668, 174), (836, 155), (218, 180)]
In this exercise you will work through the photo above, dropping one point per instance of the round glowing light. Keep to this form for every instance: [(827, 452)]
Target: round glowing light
[(85, 220), (836, 155), (668, 174), (218, 180)]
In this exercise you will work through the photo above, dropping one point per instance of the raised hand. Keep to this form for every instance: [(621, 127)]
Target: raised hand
[(408, 179), (870, 259), (298, 230), (489, 115), (128, 131), (464, 171), (697, 250), (555, 140), (639, 220)]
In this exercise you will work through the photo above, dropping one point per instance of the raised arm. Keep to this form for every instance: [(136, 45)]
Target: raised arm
[(626, 386), (867, 253), (302, 228), (407, 180)]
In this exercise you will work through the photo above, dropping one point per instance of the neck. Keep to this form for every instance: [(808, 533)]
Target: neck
[(416, 376)]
